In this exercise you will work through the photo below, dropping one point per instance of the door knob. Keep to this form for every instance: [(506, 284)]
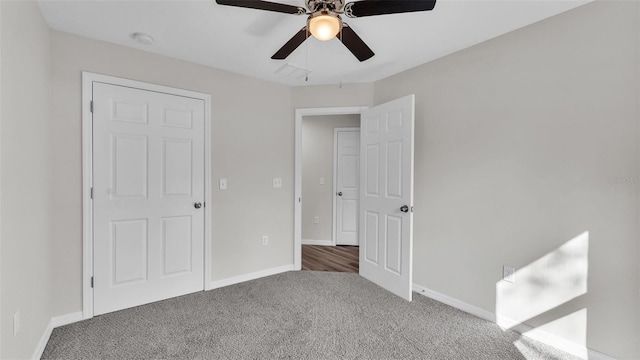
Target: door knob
[(339, 193), (404, 208), (197, 205)]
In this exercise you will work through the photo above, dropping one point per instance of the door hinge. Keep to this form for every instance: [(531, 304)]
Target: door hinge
[(91, 106), (92, 281), (91, 193)]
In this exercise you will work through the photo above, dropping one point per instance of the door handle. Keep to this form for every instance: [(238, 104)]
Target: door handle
[(197, 205), (404, 208), (339, 193)]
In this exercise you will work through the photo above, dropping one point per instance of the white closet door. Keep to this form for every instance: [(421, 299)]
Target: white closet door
[(148, 164)]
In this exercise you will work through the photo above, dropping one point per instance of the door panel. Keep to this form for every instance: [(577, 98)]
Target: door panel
[(129, 164), (347, 185), (148, 166), (176, 246), (387, 165), (371, 237), (129, 246), (177, 162)]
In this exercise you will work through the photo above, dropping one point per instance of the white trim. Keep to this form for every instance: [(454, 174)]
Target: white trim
[(55, 322), (87, 183), (335, 180), (523, 329), (87, 178), (42, 344), (297, 227), (460, 305), (67, 319), (248, 277), (318, 242)]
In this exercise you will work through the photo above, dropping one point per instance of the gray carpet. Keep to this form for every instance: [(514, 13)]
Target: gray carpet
[(295, 315)]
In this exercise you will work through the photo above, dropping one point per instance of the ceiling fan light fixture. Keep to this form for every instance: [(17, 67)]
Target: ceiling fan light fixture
[(324, 26)]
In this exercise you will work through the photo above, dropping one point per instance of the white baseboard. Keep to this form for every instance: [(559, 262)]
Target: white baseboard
[(67, 319), (317, 242), (526, 330), (460, 305), (247, 277), (55, 322)]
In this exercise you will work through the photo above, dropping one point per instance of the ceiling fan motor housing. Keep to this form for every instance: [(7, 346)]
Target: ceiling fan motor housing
[(327, 5)]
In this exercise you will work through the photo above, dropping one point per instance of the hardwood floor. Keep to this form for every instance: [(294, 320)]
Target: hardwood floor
[(330, 258)]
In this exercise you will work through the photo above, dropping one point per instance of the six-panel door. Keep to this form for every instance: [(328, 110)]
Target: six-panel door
[(148, 171), (386, 195), (347, 186)]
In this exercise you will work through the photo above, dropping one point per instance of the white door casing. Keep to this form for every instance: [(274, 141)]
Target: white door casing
[(148, 173), (386, 186), (346, 189), (297, 219)]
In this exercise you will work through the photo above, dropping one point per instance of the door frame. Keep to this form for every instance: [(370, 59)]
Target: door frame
[(297, 200), (335, 180), (88, 79)]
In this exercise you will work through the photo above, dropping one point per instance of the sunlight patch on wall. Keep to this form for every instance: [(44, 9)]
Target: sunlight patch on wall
[(568, 333), (544, 284)]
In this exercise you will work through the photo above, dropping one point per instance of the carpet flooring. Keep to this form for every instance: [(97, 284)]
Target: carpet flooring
[(294, 315)]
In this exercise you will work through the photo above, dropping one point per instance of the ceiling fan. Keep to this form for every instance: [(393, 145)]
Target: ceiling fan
[(324, 21)]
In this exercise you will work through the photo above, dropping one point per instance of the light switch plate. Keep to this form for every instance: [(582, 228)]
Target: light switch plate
[(321, 181), (277, 182), (223, 184)]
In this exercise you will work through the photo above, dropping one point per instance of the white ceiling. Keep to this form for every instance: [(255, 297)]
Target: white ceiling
[(242, 40)]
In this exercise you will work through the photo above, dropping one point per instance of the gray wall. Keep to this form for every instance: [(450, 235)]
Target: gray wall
[(317, 161), (523, 143), (332, 95), (252, 142), (26, 186)]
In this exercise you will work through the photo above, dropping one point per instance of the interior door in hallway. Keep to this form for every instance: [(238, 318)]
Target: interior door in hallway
[(148, 189), (347, 184), (386, 195)]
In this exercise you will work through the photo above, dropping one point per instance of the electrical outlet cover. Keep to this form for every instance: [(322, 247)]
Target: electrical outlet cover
[(16, 323), (509, 274)]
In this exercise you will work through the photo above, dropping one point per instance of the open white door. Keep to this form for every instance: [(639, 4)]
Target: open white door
[(386, 195)]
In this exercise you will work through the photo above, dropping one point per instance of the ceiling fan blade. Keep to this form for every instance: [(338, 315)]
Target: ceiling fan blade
[(382, 7), (291, 45), (354, 43), (264, 5)]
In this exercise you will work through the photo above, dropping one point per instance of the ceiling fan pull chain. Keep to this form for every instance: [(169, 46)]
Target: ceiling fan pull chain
[(306, 60)]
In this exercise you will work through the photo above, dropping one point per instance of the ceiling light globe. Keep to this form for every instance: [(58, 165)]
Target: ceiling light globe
[(324, 27)]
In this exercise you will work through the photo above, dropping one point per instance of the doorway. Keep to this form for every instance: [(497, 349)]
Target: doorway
[(318, 183), (386, 191), (146, 176)]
